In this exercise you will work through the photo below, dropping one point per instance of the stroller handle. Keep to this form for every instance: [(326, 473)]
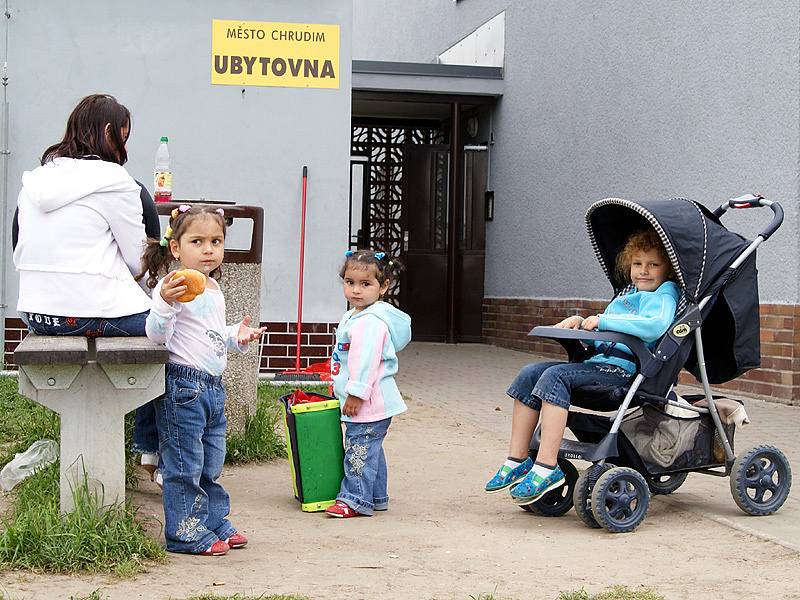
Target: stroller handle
[(755, 201)]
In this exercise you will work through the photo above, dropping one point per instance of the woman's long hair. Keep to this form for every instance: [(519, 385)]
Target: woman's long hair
[(86, 131)]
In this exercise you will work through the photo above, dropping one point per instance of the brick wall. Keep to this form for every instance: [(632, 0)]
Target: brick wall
[(277, 351), (279, 345), (15, 331), (507, 321)]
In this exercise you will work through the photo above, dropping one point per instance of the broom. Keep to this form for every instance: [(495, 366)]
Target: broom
[(312, 373)]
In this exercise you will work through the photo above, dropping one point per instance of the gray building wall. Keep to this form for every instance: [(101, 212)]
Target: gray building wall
[(622, 98), (227, 142)]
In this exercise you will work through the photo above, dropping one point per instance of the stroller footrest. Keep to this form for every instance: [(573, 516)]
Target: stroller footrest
[(606, 448), (573, 449), (576, 450)]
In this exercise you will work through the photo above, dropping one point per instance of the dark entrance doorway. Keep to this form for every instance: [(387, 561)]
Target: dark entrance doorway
[(418, 191), (423, 293)]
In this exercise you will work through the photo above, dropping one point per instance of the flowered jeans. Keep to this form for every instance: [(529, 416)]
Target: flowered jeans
[(365, 476), (191, 428)]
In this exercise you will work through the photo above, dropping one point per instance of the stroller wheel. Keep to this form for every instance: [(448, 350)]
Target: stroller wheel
[(582, 496), (620, 499), (666, 484), (556, 503), (760, 480)]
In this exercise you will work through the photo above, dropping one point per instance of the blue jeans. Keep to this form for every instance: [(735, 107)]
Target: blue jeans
[(191, 426), (145, 436), (145, 432), (553, 382), (365, 476)]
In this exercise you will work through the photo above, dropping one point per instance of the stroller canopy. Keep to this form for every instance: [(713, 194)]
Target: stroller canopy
[(700, 250)]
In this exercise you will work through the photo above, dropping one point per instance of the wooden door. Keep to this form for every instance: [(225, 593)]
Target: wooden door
[(470, 258), (423, 289)]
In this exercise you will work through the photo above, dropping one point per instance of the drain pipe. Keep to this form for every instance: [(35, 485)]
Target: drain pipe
[(5, 154)]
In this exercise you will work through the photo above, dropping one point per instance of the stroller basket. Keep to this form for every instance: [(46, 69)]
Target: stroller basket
[(667, 443)]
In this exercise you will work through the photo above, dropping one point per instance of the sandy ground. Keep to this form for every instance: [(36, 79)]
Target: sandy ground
[(442, 538)]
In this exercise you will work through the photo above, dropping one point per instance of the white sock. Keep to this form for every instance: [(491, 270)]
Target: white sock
[(150, 458), (512, 463), (541, 470)]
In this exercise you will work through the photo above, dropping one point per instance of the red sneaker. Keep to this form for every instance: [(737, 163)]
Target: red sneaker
[(237, 540), (218, 548), (341, 510)]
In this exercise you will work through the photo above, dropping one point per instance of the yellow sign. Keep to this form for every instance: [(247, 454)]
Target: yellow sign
[(274, 54)]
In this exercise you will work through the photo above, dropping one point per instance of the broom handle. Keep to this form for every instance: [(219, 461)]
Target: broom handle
[(302, 259)]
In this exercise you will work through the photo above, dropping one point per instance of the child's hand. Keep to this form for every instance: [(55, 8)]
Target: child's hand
[(172, 287), (573, 322), (591, 323), (246, 333), (351, 406)]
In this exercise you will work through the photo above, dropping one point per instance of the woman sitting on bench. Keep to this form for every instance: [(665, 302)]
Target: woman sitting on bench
[(79, 235)]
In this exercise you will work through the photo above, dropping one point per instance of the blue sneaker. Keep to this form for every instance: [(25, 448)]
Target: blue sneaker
[(507, 476), (533, 487)]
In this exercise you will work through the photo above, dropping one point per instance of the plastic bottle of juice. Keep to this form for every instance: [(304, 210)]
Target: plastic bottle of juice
[(163, 174)]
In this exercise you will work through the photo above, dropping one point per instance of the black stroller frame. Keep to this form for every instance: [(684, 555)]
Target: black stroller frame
[(719, 284)]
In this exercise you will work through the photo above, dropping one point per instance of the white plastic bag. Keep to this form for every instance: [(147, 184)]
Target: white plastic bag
[(39, 455)]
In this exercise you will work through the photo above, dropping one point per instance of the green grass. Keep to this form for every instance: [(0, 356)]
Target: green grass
[(262, 438), (92, 538), (95, 595), (23, 421), (617, 592), (34, 536)]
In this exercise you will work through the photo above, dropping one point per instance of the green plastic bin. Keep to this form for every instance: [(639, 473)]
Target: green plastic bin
[(314, 441)]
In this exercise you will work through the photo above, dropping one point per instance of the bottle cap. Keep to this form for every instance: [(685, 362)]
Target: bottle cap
[(164, 138)]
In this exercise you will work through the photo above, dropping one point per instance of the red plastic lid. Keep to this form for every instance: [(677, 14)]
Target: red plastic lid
[(301, 397)]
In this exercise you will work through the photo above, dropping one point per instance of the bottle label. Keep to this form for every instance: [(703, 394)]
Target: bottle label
[(163, 181)]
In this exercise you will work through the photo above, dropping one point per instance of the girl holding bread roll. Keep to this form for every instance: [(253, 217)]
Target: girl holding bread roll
[(188, 316)]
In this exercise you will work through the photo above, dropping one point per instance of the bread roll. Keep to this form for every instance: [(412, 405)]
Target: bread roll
[(195, 283)]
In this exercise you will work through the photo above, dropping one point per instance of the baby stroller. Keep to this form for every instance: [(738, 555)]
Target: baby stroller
[(715, 336)]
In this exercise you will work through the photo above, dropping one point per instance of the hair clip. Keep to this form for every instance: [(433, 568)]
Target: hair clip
[(220, 212), (380, 255), (181, 209), (348, 253), (167, 234)]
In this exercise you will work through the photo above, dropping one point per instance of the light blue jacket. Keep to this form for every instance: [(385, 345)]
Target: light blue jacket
[(647, 315), (364, 360)]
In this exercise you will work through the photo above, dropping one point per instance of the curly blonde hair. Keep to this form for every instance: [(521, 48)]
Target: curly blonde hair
[(640, 241)]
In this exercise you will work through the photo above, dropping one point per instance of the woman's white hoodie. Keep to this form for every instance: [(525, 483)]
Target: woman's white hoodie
[(80, 240)]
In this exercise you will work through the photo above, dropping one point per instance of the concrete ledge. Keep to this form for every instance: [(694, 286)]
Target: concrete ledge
[(129, 351), (47, 350)]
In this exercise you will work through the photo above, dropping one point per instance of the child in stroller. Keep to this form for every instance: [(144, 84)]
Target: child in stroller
[(541, 391), (714, 336)]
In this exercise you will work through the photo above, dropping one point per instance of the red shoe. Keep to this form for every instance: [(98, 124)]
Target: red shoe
[(218, 548), (341, 510), (237, 540)]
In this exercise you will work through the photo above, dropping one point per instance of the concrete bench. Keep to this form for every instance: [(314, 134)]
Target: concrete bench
[(92, 384)]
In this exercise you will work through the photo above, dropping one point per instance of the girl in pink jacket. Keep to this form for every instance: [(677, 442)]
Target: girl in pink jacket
[(363, 366)]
